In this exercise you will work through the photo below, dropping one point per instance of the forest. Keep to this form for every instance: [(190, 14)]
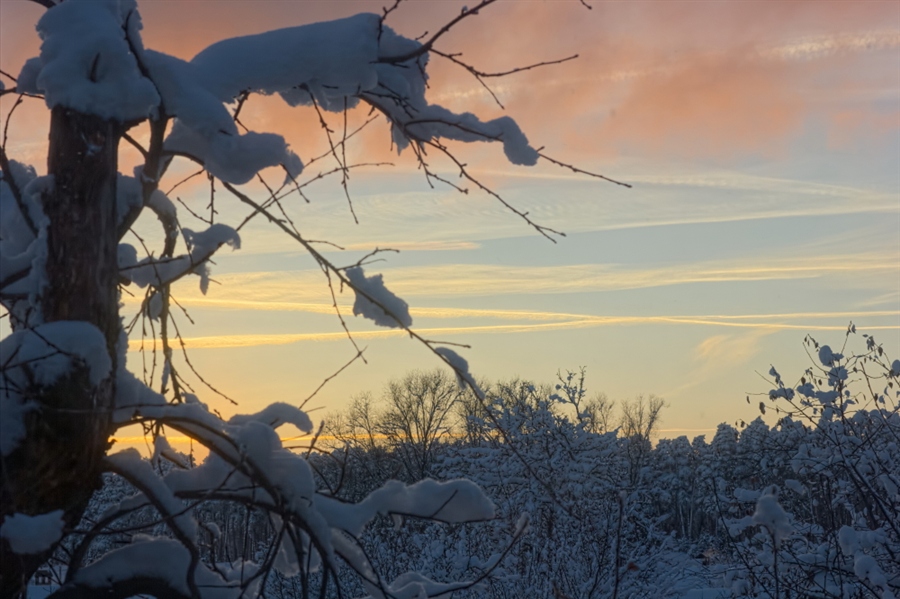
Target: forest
[(588, 502)]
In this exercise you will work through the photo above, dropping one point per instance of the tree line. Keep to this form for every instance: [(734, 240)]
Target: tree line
[(588, 506)]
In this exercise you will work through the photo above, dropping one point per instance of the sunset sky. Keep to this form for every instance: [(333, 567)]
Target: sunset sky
[(762, 140)]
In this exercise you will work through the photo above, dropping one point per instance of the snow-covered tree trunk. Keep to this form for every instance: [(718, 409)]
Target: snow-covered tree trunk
[(57, 465)]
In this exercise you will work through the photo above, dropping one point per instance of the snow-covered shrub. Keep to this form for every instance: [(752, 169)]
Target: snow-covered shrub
[(833, 527)]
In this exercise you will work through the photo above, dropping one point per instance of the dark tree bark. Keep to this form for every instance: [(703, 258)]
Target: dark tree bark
[(58, 464)]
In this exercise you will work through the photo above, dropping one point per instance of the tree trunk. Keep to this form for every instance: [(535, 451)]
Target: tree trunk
[(57, 465)]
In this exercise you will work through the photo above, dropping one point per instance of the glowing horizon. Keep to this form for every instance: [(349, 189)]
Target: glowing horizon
[(762, 141)]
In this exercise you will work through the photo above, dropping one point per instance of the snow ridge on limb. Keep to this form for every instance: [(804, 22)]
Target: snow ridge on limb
[(159, 272), (23, 239), (331, 59), (86, 62), (139, 472), (32, 534), (376, 302), (453, 502), (37, 358), (460, 367), (331, 65), (155, 564), (276, 414)]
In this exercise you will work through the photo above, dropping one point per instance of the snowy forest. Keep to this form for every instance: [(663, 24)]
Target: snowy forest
[(444, 484), (586, 501)]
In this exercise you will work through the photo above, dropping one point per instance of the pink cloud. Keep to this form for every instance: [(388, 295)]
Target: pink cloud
[(663, 78)]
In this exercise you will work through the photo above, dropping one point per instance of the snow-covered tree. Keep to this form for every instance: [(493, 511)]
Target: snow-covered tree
[(65, 383)]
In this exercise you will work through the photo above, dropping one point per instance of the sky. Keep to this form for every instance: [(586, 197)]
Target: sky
[(761, 140)]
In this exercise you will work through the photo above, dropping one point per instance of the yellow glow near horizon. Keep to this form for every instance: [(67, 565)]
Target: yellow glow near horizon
[(761, 140)]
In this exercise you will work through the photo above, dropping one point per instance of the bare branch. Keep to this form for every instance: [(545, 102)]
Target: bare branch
[(136, 145), (481, 75), (545, 231), (341, 163), (188, 360), (424, 48), (185, 180), (358, 356), (582, 172)]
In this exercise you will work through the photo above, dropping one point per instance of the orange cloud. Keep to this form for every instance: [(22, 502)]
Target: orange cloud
[(709, 107), (665, 77), (681, 79)]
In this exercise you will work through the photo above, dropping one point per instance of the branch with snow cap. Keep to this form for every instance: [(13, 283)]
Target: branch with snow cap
[(157, 566), (330, 65), (159, 272), (453, 502), (23, 238), (770, 515), (248, 464), (86, 62), (38, 358), (32, 534), (375, 301)]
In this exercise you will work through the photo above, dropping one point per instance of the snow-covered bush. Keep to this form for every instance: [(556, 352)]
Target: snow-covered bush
[(833, 527)]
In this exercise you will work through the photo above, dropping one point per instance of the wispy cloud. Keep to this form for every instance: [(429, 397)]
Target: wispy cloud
[(820, 46), (416, 246), (890, 298), (669, 196), (416, 312), (307, 291), (761, 323), (721, 352)]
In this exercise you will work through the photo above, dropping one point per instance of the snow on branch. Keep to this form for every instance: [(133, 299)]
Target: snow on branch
[(164, 271), (22, 236), (154, 565), (32, 534), (248, 464), (333, 59), (86, 63), (276, 414), (770, 515), (460, 367), (331, 65), (375, 302), (140, 473), (453, 502)]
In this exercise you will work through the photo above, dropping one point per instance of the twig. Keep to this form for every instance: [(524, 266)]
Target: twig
[(358, 356), (138, 146), (185, 180), (582, 172), (334, 153), (545, 231), (427, 45), (481, 75)]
